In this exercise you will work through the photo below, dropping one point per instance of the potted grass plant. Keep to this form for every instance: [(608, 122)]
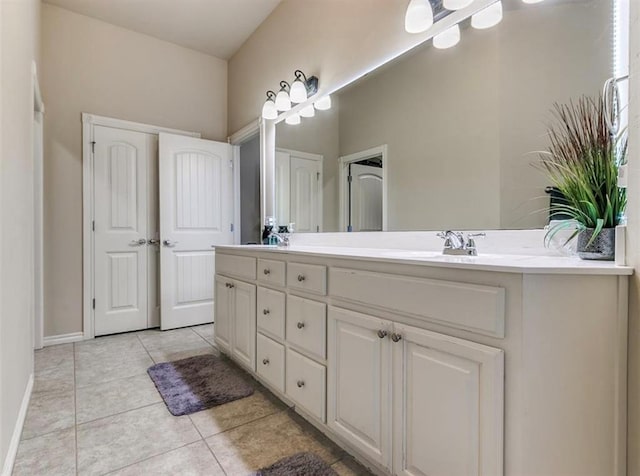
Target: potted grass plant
[(582, 163)]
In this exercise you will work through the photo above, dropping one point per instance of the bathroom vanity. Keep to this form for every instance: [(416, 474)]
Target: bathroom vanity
[(423, 364)]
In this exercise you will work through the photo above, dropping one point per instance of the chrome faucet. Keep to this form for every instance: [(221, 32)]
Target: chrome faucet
[(455, 243), (282, 237)]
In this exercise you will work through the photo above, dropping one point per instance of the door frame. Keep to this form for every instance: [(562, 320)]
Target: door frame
[(308, 156), (89, 121), (343, 163), (38, 211)]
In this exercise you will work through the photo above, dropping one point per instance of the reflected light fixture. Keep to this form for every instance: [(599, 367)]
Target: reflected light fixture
[(302, 87), (283, 102), (531, 1), (419, 16), (323, 104), (269, 109), (293, 119), (448, 38), (488, 17), (308, 111), (456, 4)]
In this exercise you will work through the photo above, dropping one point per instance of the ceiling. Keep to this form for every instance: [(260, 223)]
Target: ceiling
[(214, 27)]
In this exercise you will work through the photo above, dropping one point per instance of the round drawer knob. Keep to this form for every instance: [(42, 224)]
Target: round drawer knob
[(395, 337), (382, 333), (300, 383), (300, 325), (266, 311), (301, 277), (266, 271), (265, 361)]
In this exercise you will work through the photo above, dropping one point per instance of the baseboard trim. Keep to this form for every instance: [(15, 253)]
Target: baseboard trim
[(62, 339), (10, 459)]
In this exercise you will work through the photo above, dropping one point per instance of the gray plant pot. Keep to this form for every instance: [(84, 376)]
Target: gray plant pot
[(603, 247)]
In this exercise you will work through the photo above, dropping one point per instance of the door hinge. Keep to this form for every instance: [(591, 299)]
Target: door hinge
[(93, 225), (94, 303), (93, 147), (317, 175), (350, 178), (317, 228), (231, 227)]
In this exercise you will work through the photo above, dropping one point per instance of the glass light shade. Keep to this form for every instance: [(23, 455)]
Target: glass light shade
[(269, 110), (298, 92), (419, 16), (490, 16), (531, 1), (308, 111), (456, 4), (283, 103), (293, 119), (323, 104), (448, 38)]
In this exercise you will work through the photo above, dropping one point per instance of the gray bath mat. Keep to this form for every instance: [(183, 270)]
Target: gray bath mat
[(301, 464), (197, 383)]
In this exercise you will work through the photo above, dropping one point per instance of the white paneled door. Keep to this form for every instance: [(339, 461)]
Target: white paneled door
[(196, 210), (366, 197), (121, 164), (306, 179)]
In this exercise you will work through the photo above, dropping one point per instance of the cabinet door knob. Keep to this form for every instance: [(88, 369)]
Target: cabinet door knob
[(265, 311), (265, 361), (301, 277), (300, 325), (382, 333), (395, 337), (300, 383), (266, 271), (231, 285)]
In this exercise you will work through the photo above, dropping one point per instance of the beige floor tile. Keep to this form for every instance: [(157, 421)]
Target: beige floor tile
[(116, 396), (265, 441), (223, 417), (121, 440), (55, 379), (205, 331), (191, 460), (53, 454), (100, 370), (155, 339), (349, 467), (53, 357), (49, 411), (107, 347), (181, 351)]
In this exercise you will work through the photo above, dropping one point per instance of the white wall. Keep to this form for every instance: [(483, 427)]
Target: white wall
[(19, 31), (92, 66)]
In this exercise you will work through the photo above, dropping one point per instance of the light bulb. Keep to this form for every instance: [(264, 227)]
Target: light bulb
[(456, 4), (283, 103), (308, 111), (293, 119), (448, 38), (488, 17), (298, 92), (419, 16), (269, 110), (323, 104)]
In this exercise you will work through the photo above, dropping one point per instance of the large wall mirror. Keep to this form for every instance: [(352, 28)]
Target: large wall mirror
[(446, 138)]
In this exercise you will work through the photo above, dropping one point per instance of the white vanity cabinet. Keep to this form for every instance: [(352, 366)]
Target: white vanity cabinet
[(452, 367)]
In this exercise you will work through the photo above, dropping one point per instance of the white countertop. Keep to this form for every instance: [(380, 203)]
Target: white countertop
[(506, 263)]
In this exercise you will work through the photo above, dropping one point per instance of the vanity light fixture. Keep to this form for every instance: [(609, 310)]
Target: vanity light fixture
[(269, 109), (293, 119), (456, 4), (448, 38), (303, 87), (419, 16), (532, 1), (308, 111), (283, 102), (323, 103), (488, 17)]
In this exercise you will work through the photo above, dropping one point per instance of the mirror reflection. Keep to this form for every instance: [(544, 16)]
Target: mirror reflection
[(446, 138)]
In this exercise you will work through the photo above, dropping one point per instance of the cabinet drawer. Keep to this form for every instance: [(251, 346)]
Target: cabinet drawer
[(471, 307), (271, 312), (272, 272), (270, 362), (307, 325), (306, 381), (232, 265), (308, 277)]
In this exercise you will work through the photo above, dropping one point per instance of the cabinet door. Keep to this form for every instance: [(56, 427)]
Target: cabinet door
[(224, 309), (359, 380), (448, 405), (244, 324)]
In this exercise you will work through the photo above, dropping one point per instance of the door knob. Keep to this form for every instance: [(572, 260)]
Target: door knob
[(169, 243), (395, 337), (382, 333), (153, 241), (139, 242)]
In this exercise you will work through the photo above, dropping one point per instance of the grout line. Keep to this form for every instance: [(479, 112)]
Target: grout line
[(145, 348), (57, 430), (75, 406), (206, 444), (120, 413), (149, 457)]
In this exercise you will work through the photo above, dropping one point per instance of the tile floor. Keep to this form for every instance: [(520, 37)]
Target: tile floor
[(95, 411)]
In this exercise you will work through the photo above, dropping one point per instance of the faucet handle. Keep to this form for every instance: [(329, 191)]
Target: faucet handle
[(471, 242)]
